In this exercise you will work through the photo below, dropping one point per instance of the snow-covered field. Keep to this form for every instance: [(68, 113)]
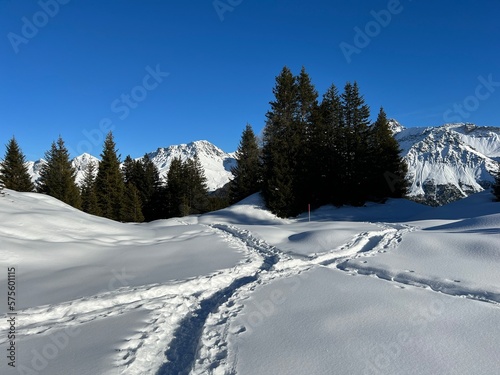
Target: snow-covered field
[(398, 288)]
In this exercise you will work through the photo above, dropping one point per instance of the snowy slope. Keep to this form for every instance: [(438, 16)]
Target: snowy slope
[(449, 162), (399, 288)]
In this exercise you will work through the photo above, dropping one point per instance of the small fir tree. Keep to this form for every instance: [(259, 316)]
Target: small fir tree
[(88, 191), (132, 205), (57, 176), (109, 181), (13, 170), (388, 177), (247, 172)]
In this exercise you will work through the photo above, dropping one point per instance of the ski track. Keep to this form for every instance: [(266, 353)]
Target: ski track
[(193, 316)]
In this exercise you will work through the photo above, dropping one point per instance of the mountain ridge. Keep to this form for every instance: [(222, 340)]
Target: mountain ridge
[(445, 163)]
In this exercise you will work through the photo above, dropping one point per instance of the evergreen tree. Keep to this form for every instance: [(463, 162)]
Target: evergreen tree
[(307, 136), (88, 191), (331, 148), (144, 175), (388, 178), (247, 172), (150, 189), (356, 164), (496, 186), (280, 148), (186, 188), (109, 181), (196, 187), (132, 205), (174, 190), (13, 170), (57, 176)]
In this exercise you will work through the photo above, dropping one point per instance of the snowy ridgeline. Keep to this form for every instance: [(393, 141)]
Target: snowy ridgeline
[(216, 163), (399, 288), (445, 163)]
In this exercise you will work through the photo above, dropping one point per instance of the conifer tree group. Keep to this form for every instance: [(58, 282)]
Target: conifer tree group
[(313, 153), (132, 192), (318, 153)]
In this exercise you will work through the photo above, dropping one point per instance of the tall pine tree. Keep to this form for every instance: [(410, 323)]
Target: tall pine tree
[(88, 191), (196, 187), (280, 147), (57, 176), (331, 147), (356, 164), (247, 172), (388, 170), (306, 132), (13, 170), (174, 190), (109, 181)]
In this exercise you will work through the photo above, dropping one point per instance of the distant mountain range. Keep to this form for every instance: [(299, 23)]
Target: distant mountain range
[(216, 163), (445, 163)]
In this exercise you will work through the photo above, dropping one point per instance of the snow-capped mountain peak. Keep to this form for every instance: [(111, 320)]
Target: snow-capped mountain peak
[(216, 163), (449, 162)]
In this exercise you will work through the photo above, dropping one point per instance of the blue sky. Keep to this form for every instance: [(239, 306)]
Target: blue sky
[(162, 72)]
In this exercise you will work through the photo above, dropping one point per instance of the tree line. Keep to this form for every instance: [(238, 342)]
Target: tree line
[(312, 152), (132, 192)]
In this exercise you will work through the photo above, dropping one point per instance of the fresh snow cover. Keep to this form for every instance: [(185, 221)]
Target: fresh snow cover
[(399, 288)]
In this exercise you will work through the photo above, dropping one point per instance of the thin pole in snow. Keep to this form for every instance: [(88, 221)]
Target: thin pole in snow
[(309, 210)]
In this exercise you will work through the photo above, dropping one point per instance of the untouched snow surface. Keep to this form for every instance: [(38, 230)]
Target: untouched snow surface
[(398, 288)]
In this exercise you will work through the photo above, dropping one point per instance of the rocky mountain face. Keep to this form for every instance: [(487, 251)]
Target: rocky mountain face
[(445, 163), (448, 162)]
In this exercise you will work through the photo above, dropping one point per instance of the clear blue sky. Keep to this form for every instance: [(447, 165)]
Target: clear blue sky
[(68, 70)]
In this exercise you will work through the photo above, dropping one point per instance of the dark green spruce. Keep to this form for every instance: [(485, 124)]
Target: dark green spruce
[(109, 183), (388, 177), (57, 176), (88, 190), (281, 143), (13, 170), (247, 172)]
